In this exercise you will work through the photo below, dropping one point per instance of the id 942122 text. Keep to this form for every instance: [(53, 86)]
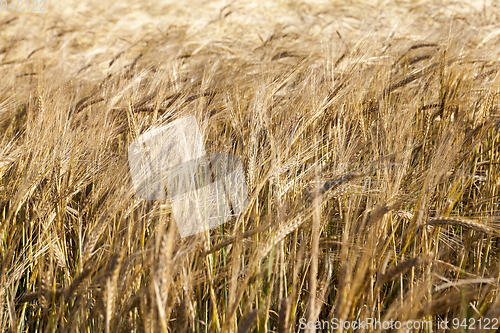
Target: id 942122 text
[(23, 5)]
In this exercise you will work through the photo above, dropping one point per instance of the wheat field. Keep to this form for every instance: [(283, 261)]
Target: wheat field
[(369, 136)]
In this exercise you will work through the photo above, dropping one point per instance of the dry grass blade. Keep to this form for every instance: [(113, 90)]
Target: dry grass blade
[(466, 223), (446, 301), (464, 282), (283, 316), (399, 269), (247, 321)]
